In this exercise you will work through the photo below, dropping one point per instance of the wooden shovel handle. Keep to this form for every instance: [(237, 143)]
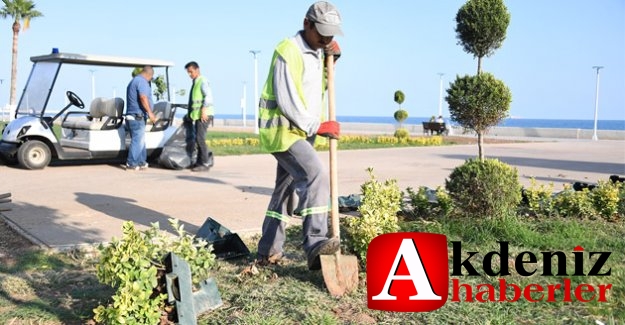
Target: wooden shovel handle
[(334, 184)]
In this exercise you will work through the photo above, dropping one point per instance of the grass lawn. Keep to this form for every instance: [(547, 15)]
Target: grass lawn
[(290, 294), (224, 143), (42, 288)]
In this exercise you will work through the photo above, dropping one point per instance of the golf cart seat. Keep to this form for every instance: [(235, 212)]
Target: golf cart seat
[(104, 114), (164, 116)]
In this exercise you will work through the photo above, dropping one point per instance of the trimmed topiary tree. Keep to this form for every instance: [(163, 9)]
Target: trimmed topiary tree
[(400, 115), (399, 97), (478, 103), (481, 27), (484, 188), (402, 133)]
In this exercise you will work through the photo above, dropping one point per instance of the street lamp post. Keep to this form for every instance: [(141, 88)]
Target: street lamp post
[(92, 83), (244, 105), (440, 95), (594, 133), (255, 52)]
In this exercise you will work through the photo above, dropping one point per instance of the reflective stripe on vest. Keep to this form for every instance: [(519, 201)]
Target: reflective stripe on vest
[(197, 99), (268, 103), (278, 121), (277, 133)]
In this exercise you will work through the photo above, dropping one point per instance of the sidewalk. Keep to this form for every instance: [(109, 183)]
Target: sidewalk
[(68, 205)]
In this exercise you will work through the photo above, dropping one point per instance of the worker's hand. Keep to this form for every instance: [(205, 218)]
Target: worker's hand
[(330, 129), (333, 49), (204, 116), (152, 117)]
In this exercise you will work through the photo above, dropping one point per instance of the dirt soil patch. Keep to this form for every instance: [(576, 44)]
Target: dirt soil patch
[(11, 244)]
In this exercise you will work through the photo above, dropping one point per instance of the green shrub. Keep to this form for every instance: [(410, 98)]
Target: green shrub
[(399, 97), (574, 204), (132, 266), (402, 133), (540, 198), (426, 205), (400, 115), (621, 201), (380, 203), (484, 188), (444, 201), (129, 266), (605, 198), (419, 201)]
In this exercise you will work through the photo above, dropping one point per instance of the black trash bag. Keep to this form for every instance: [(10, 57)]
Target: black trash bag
[(175, 154)]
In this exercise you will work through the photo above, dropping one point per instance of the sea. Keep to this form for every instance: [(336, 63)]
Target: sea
[(618, 125)]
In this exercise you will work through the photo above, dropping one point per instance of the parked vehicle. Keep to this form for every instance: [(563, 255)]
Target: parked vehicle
[(99, 133)]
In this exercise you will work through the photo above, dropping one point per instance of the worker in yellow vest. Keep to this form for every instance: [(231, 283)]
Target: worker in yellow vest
[(196, 121), (290, 116)]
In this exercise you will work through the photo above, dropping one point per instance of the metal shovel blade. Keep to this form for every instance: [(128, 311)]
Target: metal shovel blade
[(340, 273)]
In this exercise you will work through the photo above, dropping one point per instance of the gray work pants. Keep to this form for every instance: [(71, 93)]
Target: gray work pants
[(299, 172)]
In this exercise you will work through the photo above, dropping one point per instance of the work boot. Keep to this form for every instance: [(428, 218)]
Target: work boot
[(200, 168), (274, 259), (327, 247)]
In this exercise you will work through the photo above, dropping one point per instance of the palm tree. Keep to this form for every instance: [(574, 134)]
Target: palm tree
[(18, 10)]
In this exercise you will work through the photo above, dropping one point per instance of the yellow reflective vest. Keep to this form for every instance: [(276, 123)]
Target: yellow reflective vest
[(197, 99), (277, 133)]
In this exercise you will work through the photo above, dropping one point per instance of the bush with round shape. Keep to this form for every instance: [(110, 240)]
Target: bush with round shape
[(399, 97), (400, 115), (485, 188), (402, 133)]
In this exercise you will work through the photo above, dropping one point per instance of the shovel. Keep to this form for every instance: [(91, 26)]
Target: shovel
[(340, 272)]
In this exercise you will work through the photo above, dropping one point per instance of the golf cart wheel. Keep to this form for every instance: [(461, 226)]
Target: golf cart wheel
[(34, 154)]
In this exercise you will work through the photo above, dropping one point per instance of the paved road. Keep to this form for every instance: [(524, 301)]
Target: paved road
[(63, 206)]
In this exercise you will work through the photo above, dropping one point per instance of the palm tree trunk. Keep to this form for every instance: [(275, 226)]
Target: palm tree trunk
[(16, 31), (479, 65), (480, 145)]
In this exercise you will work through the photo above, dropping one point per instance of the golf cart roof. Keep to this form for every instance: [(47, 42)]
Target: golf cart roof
[(101, 60)]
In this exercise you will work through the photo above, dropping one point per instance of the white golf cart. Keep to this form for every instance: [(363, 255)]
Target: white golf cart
[(97, 134)]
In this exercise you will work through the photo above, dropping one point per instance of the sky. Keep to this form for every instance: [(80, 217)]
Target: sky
[(546, 59)]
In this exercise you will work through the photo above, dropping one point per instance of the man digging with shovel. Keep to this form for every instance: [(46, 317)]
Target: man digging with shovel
[(290, 113)]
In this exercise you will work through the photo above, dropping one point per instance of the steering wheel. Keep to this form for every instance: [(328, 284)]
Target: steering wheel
[(74, 99)]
